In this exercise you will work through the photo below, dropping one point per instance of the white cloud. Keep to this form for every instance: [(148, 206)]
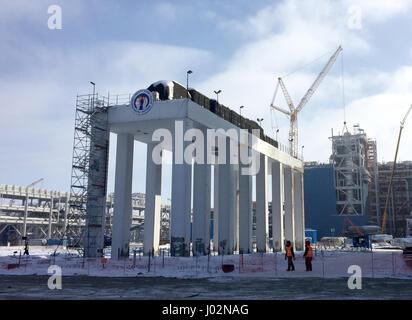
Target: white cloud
[(37, 108), (302, 32), (380, 10)]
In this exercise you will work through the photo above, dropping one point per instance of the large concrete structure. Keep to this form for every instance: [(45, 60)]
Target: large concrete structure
[(180, 121)]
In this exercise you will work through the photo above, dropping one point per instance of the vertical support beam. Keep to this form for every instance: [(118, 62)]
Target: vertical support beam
[(245, 213), (181, 197), (262, 209), (152, 204), (66, 212), (216, 208), (277, 206), (288, 195), (227, 203), (122, 215), (26, 204), (298, 211), (235, 225), (49, 233), (201, 208)]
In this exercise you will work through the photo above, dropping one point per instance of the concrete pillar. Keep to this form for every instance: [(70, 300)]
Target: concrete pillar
[(227, 204), (181, 201), (236, 218), (277, 206), (245, 213), (152, 204), (215, 208), (288, 196), (122, 215), (299, 218), (201, 209), (262, 209)]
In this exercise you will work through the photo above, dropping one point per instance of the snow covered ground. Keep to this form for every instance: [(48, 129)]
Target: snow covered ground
[(326, 264)]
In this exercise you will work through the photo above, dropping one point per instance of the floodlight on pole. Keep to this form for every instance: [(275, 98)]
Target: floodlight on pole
[(240, 109), (187, 81), (217, 95), (94, 90)]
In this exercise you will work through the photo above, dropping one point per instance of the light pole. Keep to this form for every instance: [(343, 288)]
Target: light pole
[(94, 90), (277, 134), (217, 95), (240, 109), (187, 81), (260, 121), (302, 151)]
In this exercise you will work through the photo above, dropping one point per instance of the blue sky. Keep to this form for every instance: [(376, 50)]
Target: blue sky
[(236, 46)]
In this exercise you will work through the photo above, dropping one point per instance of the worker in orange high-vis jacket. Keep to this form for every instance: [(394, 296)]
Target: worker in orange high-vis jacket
[(290, 255), (308, 255)]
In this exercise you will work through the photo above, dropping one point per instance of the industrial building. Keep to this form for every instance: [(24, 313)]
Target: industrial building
[(355, 185), (400, 200), (321, 204), (44, 215)]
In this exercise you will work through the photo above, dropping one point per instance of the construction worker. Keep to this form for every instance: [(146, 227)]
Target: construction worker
[(290, 255), (308, 255), (26, 248)]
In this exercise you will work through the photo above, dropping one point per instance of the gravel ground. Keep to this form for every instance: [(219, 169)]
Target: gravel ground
[(157, 288)]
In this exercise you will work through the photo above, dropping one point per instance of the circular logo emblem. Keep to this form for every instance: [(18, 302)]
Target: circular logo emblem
[(142, 101)]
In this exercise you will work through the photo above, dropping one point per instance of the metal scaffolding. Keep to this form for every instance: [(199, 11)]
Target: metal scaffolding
[(89, 173), (351, 175)]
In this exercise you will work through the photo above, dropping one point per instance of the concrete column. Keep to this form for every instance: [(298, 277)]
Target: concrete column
[(215, 208), (152, 204), (181, 200), (245, 213), (288, 196), (236, 218), (122, 215), (277, 206), (227, 204), (298, 211), (262, 209), (201, 208)]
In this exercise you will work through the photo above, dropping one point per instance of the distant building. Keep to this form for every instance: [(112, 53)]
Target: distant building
[(355, 185), (341, 188), (400, 198), (320, 202)]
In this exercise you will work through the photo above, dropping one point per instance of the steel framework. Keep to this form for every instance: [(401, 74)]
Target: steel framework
[(351, 176), (89, 173)]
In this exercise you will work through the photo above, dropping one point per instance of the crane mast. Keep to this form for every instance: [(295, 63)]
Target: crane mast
[(293, 113), (385, 213)]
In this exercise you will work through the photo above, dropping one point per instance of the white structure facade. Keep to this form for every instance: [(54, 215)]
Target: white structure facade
[(221, 187)]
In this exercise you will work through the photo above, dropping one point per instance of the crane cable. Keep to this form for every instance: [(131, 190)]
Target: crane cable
[(308, 64), (343, 95), (271, 110)]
